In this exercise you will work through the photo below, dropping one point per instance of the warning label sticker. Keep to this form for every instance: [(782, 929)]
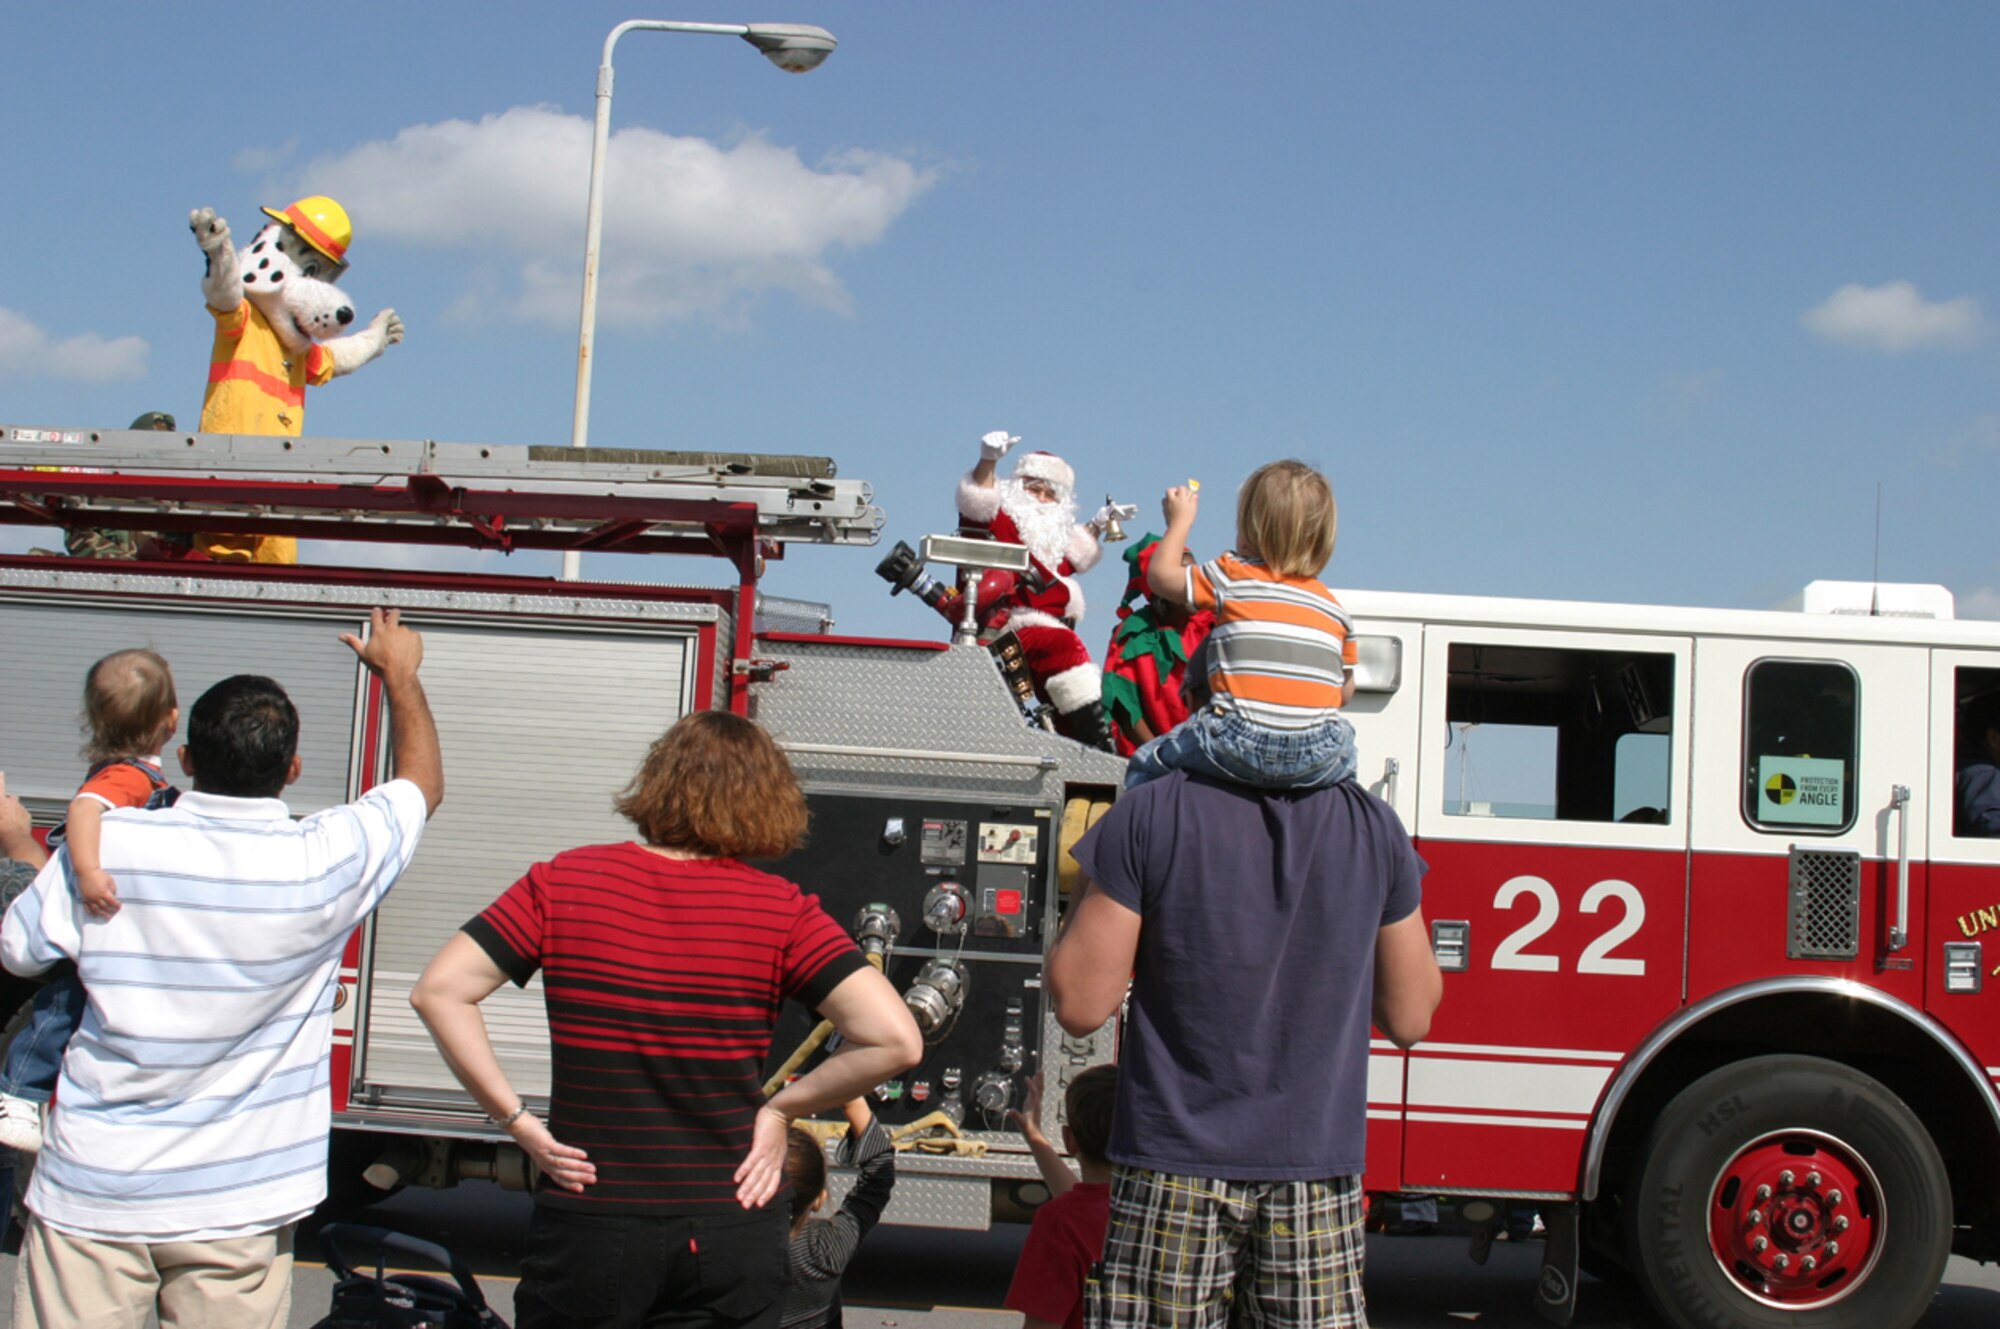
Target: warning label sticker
[(1801, 791)]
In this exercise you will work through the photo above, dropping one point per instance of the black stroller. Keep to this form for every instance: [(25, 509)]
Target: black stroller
[(384, 1300)]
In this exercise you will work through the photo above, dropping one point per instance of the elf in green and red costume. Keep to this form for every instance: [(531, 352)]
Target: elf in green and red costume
[(1148, 657)]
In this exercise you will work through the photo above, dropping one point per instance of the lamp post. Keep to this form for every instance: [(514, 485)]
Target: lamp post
[(796, 48)]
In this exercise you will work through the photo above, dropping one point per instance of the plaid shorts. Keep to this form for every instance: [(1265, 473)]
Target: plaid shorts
[(1195, 1253)]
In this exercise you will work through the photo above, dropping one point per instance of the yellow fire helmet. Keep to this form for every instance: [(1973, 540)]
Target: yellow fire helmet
[(321, 223)]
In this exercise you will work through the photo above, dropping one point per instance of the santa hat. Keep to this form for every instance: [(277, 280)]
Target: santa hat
[(1046, 466)]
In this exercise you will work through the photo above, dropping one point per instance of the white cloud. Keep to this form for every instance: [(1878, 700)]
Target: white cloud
[(1895, 317), (692, 229), (28, 352)]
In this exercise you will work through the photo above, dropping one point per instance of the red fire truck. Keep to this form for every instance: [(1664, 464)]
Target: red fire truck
[(1713, 931), (1715, 990)]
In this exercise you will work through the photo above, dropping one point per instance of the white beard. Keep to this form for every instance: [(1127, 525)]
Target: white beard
[(1045, 527)]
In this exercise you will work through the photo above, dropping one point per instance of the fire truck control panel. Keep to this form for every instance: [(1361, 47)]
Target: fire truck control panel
[(953, 895)]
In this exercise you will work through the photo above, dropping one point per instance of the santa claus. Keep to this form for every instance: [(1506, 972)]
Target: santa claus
[(1034, 507)]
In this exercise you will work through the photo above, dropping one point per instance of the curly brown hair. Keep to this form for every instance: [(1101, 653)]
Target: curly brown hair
[(129, 705), (716, 784)]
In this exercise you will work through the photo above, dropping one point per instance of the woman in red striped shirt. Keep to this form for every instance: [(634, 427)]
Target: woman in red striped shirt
[(664, 962)]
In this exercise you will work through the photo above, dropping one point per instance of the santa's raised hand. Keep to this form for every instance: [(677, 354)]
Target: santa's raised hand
[(1110, 513), (994, 446)]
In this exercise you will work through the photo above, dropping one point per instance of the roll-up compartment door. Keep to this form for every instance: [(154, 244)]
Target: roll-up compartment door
[(541, 728), (45, 650)]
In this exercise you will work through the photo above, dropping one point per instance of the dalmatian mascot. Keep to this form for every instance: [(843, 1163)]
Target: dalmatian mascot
[(280, 325), (1036, 507)]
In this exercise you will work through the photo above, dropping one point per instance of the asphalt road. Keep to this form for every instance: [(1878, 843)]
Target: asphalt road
[(914, 1279)]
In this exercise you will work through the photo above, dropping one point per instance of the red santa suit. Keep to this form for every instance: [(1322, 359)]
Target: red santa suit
[(1043, 606)]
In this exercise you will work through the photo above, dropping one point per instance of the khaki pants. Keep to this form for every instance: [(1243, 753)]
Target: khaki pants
[(68, 1282)]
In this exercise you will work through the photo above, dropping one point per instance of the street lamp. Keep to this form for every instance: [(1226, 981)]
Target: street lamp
[(796, 48)]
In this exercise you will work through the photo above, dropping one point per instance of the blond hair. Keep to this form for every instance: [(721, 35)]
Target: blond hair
[(1286, 518), (128, 705)]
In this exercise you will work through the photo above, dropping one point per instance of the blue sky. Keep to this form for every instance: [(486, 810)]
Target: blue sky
[(1571, 300)]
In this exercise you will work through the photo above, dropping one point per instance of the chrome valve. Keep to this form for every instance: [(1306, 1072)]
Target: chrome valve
[(994, 1093), (876, 927), (945, 909), (936, 995)]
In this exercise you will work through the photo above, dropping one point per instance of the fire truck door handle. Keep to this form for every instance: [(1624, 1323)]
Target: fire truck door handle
[(1899, 802), (1390, 770)]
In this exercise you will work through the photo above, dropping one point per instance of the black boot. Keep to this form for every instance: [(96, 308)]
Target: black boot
[(1089, 724)]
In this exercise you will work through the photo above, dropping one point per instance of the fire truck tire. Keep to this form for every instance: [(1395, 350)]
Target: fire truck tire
[(1789, 1191)]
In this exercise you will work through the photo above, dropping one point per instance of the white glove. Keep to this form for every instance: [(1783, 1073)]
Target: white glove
[(993, 446), (1111, 512)]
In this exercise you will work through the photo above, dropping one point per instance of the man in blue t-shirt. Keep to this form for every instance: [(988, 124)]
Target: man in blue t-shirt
[(1261, 929)]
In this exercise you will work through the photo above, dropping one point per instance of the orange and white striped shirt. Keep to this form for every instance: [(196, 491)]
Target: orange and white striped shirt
[(1282, 647)]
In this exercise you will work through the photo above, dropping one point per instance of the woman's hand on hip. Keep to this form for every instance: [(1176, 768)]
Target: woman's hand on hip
[(564, 1164), (760, 1175)]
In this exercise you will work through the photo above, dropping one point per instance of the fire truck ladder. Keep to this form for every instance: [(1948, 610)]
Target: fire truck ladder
[(499, 497)]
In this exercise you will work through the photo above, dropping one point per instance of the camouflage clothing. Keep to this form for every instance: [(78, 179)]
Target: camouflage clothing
[(89, 542)]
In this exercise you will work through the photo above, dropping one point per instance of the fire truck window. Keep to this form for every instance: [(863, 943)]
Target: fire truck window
[(1559, 735), (1639, 780), (1501, 770), (1976, 754), (1800, 746)]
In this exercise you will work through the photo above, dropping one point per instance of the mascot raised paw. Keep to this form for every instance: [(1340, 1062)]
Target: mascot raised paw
[(280, 325)]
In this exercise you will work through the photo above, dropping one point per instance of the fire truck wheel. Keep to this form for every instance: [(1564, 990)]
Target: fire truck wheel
[(1790, 1191)]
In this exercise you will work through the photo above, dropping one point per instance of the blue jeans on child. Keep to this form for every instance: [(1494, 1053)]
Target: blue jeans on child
[(1224, 746), (34, 1059), (35, 1056)]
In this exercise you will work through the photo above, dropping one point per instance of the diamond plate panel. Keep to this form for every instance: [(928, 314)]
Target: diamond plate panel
[(1063, 1057), (951, 701), (965, 1203), (940, 1192)]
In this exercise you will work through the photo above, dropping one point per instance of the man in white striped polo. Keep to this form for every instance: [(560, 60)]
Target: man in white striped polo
[(190, 1129)]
